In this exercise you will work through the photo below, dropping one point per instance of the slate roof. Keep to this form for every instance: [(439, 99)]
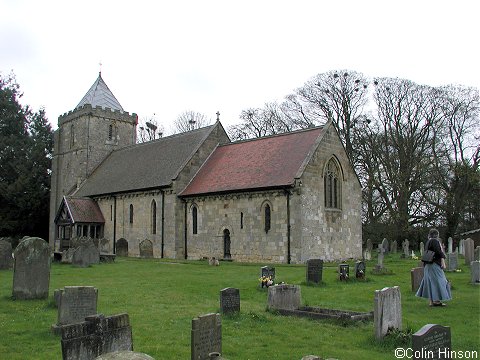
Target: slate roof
[(84, 210), (268, 162), (100, 95), (142, 166)]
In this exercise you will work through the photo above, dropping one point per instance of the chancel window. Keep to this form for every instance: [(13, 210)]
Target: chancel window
[(333, 185), (267, 218), (131, 214), (194, 220), (72, 136), (154, 217)]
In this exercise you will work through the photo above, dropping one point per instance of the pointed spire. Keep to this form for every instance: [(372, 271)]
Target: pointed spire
[(100, 95)]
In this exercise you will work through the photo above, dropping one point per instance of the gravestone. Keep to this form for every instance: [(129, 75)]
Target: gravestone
[(343, 272), (146, 249), (95, 336), (124, 355), (394, 247), (416, 276), (268, 271), (121, 247), (452, 261), (284, 296), (314, 270), (475, 269), (6, 259), (67, 256), (387, 311), (75, 303), (360, 269), (422, 247), (461, 248), (432, 342), (369, 245), (367, 255), (311, 357), (206, 336), (229, 301), (385, 245), (86, 254), (468, 250), (406, 248), (476, 254), (381, 255), (31, 273), (450, 245)]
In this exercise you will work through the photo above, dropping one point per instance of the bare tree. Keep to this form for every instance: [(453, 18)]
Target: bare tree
[(190, 120), (148, 129)]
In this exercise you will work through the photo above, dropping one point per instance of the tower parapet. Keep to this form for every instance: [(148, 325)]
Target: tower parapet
[(99, 112)]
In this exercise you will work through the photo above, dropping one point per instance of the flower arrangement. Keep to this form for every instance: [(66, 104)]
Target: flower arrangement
[(266, 281)]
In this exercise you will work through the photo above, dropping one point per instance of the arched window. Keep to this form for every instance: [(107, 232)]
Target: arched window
[(241, 220), (154, 217), (194, 220), (267, 218), (131, 214), (333, 185)]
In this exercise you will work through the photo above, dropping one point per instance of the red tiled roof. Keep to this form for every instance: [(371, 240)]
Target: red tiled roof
[(261, 163), (84, 210)]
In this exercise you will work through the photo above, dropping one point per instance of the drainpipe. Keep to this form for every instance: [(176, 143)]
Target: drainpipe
[(289, 256), (163, 223), (114, 225), (185, 229)]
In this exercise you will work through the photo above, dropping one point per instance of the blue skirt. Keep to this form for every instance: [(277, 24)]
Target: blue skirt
[(434, 285)]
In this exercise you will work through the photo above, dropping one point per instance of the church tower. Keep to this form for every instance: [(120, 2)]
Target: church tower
[(85, 137)]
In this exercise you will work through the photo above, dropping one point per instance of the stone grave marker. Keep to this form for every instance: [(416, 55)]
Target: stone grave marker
[(422, 247), (380, 257), (124, 355), (394, 247), (67, 256), (121, 247), (367, 255), (461, 248), (311, 357), (343, 272), (360, 269), (475, 269), (75, 303), (450, 245), (229, 301), (95, 336), (86, 254), (387, 311), (146, 249), (416, 276), (314, 270), (452, 261), (267, 271), (406, 248), (476, 254), (6, 259), (369, 245), (432, 342), (206, 336), (468, 250), (31, 273), (284, 296), (385, 245)]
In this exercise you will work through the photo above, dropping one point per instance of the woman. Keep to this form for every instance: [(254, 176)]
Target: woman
[(434, 285)]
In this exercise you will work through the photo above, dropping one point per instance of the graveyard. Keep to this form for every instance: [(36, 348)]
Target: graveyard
[(162, 297)]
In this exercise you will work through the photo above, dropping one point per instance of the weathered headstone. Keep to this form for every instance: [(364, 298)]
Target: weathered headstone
[(387, 311), (475, 269), (146, 249), (268, 271), (360, 269), (385, 245), (416, 275), (75, 304), (406, 248), (31, 274), (86, 254), (229, 301), (394, 247), (468, 250), (121, 247), (422, 247), (452, 261), (369, 245), (381, 255), (95, 336), (432, 342), (314, 270), (284, 296), (450, 245), (367, 255), (124, 355), (206, 336), (461, 248), (343, 272), (6, 259), (476, 255), (67, 256)]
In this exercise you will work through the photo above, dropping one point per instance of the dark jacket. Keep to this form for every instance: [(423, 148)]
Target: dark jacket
[(434, 245)]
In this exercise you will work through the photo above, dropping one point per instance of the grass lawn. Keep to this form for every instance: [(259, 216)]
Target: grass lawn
[(162, 296)]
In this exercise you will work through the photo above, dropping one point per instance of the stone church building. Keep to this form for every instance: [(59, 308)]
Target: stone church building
[(284, 198)]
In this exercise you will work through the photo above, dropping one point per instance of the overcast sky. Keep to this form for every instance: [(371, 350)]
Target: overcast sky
[(166, 57)]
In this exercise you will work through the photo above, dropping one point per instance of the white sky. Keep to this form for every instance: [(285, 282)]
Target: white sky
[(166, 57)]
